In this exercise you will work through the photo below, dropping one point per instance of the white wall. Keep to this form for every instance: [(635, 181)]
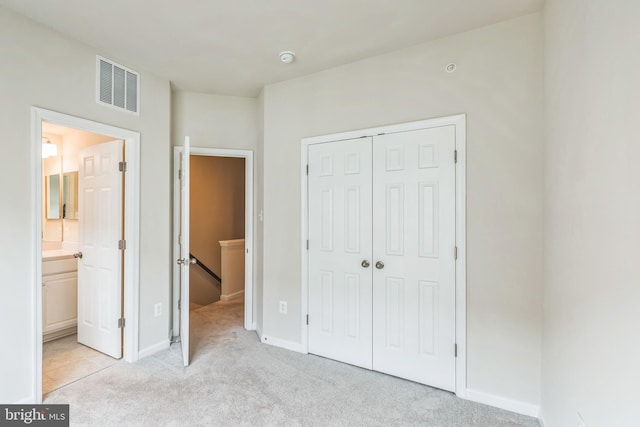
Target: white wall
[(498, 85), (591, 348), (39, 67), (215, 121)]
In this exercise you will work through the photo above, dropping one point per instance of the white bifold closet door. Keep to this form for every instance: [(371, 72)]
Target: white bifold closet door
[(414, 237), (381, 253), (340, 248)]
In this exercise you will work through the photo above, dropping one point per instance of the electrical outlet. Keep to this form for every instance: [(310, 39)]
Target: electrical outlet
[(283, 307), (157, 309)]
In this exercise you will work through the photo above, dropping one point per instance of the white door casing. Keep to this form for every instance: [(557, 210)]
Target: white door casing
[(340, 251), (100, 220), (185, 259), (413, 254)]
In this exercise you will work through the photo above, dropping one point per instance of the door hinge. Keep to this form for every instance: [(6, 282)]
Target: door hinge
[(455, 156), (455, 350), (180, 174), (455, 252), (307, 170), (180, 239), (122, 245), (307, 319), (121, 323), (122, 166), (307, 244)]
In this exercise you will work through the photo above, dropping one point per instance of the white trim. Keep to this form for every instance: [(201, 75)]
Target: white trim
[(503, 403), (461, 263), (152, 349), (288, 345), (233, 296), (249, 285), (461, 279), (131, 224)]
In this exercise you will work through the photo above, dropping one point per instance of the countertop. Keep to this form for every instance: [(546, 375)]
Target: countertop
[(56, 254)]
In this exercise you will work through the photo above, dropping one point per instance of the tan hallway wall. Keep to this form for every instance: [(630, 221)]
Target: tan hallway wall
[(217, 213)]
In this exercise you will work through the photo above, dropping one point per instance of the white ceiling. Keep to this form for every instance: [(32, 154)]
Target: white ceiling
[(231, 47)]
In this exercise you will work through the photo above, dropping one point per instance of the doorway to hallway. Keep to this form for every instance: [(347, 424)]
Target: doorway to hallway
[(213, 229)]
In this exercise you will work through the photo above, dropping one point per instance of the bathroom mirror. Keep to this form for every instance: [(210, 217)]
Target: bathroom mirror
[(70, 195), (53, 196), (65, 206)]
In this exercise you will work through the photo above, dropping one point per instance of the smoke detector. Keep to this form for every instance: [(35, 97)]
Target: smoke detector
[(287, 57)]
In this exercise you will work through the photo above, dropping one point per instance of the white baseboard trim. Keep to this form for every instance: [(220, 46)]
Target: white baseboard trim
[(235, 295), (277, 342), (145, 352), (504, 403)]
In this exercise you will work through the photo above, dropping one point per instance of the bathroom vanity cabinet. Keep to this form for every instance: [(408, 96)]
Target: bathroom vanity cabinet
[(59, 296)]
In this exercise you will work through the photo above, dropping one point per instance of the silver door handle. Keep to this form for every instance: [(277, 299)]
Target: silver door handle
[(185, 261), (77, 255), (379, 265), (365, 263)]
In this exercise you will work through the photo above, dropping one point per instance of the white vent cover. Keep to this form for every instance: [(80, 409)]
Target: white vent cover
[(117, 86)]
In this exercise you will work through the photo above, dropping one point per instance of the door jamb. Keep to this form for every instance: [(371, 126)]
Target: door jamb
[(249, 284), (459, 121), (131, 228)]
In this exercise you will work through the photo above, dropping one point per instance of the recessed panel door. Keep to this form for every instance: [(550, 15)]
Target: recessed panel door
[(100, 218), (413, 255), (340, 251)]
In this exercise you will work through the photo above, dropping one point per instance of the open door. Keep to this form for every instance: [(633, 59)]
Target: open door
[(184, 260), (100, 245)]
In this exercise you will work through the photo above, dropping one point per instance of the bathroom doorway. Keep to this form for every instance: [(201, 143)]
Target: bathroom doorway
[(80, 334), (221, 234), (86, 221)]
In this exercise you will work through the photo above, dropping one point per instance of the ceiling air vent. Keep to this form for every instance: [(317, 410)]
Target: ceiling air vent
[(117, 86)]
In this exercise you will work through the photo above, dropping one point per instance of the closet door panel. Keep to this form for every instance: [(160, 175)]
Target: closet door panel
[(340, 302), (413, 254)]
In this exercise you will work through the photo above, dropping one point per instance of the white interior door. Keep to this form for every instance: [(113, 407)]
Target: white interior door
[(100, 218), (185, 260), (413, 255), (340, 251)]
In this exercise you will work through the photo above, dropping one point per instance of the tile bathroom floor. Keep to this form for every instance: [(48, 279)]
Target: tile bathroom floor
[(64, 361)]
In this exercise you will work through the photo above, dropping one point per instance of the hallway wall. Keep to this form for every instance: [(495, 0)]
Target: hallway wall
[(216, 213)]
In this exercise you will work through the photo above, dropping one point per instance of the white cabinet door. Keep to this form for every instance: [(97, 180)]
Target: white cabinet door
[(413, 255), (100, 229), (339, 250), (59, 301)]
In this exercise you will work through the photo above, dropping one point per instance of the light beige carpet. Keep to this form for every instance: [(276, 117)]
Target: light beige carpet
[(234, 380)]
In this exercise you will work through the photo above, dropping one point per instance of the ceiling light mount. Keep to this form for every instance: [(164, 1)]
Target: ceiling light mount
[(287, 57), (451, 67)]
